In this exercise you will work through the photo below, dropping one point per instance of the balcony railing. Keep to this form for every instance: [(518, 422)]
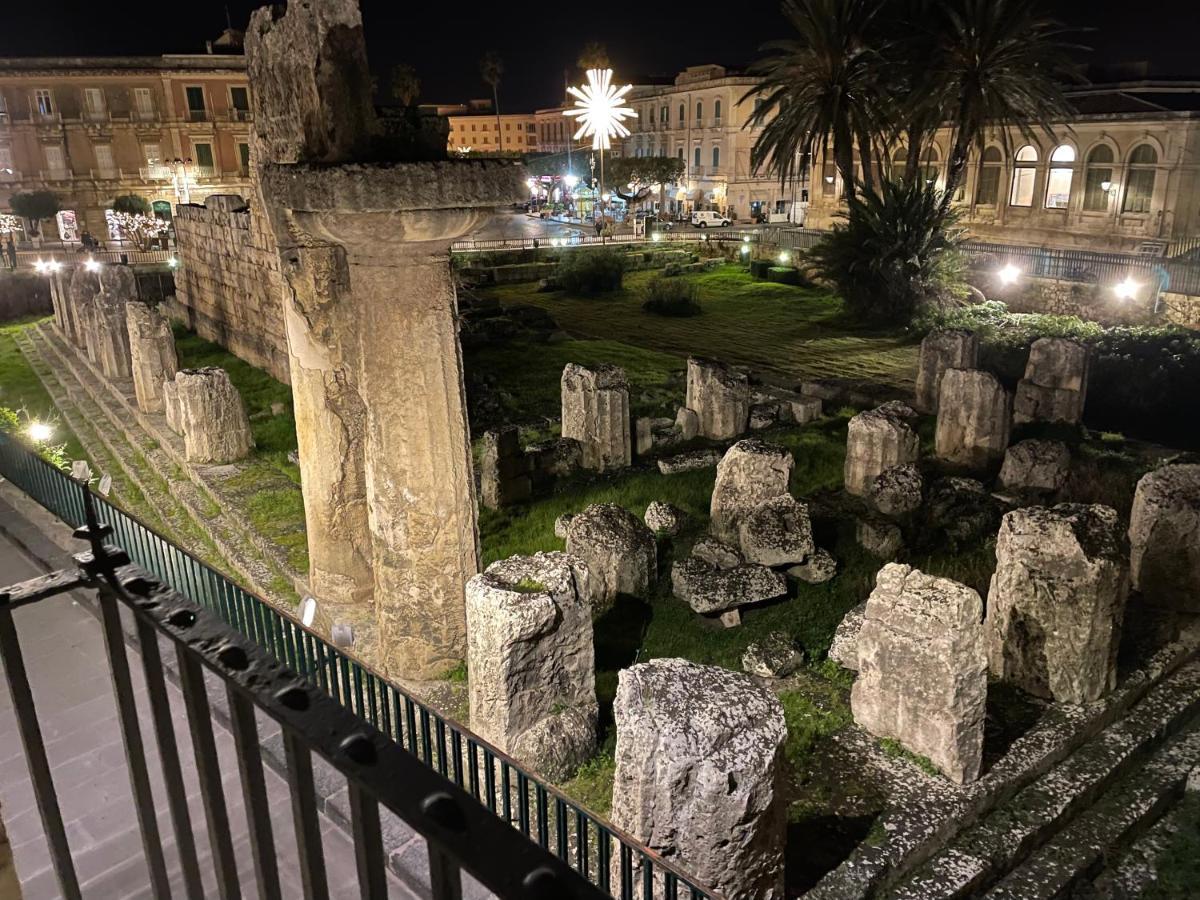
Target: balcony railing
[(56, 174), (477, 808), (240, 115), (198, 115), (110, 173)]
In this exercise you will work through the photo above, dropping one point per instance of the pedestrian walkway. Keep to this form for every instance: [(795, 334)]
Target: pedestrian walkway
[(64, 652)]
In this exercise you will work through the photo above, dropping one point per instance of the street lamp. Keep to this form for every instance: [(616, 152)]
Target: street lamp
[(601, 110), (91, 265)]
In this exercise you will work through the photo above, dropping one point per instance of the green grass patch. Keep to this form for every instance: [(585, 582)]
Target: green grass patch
[(1178, 866), (896, 750), (593, 782), (20, 389), (818, 710)]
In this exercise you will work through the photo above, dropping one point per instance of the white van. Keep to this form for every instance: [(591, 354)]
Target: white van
[(703, 218)]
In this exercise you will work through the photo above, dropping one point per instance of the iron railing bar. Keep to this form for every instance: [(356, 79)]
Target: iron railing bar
[(191, 679), (368, 843), (42, 587), (445, 878), (168, 755), (304, 817), (254, 789), (131, 734), (35, 752)]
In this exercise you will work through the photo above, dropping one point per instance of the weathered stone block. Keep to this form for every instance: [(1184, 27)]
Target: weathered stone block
[(110, 329), (503, 469), (152, 354), (776, 532), (879, 537), (750, 472), (974, 418), (1057, 601), (897, 491), (620, 551), (877, 440), (699, 774), (817, 569), (922, 669), (1054, 388), (212, 416), (530, 660), (775, 656), (720, 397), (844, 649), (688, 423), (1164, 537), (1036, 465), (708, 589), (595, 412), (664, 518), (942, 350)]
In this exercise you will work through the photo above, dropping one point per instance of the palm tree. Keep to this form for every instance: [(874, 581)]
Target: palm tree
[(491, 67), (1003, 64), (405, 84), (594, 55), (821, 89)]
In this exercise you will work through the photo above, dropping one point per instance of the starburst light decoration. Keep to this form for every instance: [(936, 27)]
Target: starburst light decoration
[(600, 109)]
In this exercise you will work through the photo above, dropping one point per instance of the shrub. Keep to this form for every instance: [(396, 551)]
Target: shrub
[(131, 204), (894, 253), (760, 267), (671, 297), (35, 206), (591, 271)]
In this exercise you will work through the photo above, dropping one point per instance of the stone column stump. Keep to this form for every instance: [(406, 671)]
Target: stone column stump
[(503, 469), (942, 350), (878, 439), (1057, 601), (151, 353), (1054, 388), (212, 416), (720, 397), (619, 550), (922, 669), (81, 297), (595, 412), (530, 661), (974, 419), (1164, 537), (110, 328), (750, 473), (700, 774)]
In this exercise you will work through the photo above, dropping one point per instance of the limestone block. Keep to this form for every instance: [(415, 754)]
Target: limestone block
[(531, 663), (817, 569), (879, 537), (877, 440), (595, 412), (720, 397), (110, 328), (1164, 537), (688, 423), (717, 554), (974, 418), (1036, 465), (556, 458), (1057, 600), (81, 296), (775, 656), (776, 532), (844, 649), (171, 409), (750, 472), (897, 491), (503, 469), (620, 551), (922, 669), (1034, 403), (664, 518), (962, 507), (562, 524), (212, 416), (1054, 388), (708, 589), (942, 350), (692, 461), (152, 354), (699, 774)]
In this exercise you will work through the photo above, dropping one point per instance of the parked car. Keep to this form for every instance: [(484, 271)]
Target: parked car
[(703, 218)]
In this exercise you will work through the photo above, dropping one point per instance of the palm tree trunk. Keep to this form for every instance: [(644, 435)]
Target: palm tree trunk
[(958, 164), (496, 105), (843, 156), (912, 162), (864, 152)]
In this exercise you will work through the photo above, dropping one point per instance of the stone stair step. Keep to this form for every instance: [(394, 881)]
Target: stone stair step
[(1130, 875), (1003, 839), (1125, 812)]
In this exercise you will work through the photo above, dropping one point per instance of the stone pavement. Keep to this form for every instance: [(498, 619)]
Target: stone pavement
[(64, 653)]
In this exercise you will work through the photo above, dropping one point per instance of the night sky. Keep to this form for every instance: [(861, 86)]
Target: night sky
[(538, 40)]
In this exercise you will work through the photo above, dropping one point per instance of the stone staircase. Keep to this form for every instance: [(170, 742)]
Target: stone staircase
[(150, 473), (1064, 828)]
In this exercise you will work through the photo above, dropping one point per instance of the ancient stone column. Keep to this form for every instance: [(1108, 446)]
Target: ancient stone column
[(751, 472), (974, 418), (1164, 537), (1057, 600), (151, 353), (942, 350), (531, 663), (878, 439), (118, 286), (503, 468), (595, 412), (371, 322), (61, 301), (170, 399), (700, 774), (922, 669), (81, 296), (720, 397), (212, 416), (1054, 388)]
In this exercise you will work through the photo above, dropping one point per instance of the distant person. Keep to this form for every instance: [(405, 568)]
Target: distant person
[(11, 250)]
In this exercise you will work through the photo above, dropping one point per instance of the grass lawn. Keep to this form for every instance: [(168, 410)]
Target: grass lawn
[(799, 332), (21, 391)]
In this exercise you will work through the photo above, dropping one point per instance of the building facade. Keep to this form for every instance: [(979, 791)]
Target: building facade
[(170, 129), (481, 132)]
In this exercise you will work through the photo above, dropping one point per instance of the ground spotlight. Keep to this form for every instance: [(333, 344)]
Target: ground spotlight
[(657, 236), (1127, 289), (308, 611), (91, 265), (39, 432), (784, 256), (1009, 274)]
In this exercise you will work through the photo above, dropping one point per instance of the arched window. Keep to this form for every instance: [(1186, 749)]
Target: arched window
[(930, 164), (699, 111), (1139, 186), (987, 192), (666, 114), (717, 112), (900, 163), (1024, 177), (680, 153), (1062, 173), (696, 158), (716, 157), (682, 114), (1098, 180)]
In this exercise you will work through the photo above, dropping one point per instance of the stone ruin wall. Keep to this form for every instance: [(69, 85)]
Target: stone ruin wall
[(228, 287), (1094, 303)]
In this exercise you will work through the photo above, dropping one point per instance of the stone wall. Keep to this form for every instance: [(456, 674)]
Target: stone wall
[(23, 294), (228, 287), (1094, 302)]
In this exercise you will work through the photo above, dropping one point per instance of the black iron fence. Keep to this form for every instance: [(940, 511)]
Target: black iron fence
[(603, 858), (39, 259)]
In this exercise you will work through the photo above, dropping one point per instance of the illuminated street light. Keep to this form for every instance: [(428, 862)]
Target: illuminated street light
[(1009, 274), (657, 236), (601, 110), (570, 180), (91, 265), (745, 249), (784, 256), (1127, 289), (39, 432), (54, 265), (173, 262), (41, 266)]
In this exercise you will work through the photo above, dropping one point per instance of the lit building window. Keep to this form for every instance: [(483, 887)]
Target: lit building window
[(1024, 177), (1139, 186), (1098, 181), (696, 157), (716, 157), (988, 191), (717, 111), (1058, 183)]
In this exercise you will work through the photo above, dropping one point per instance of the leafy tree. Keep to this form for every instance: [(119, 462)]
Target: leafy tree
[(820, 90), (594, 55), (491, 68), (131, 204), (633, 178), (404, 84), (35, 206), (1002, 63)]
